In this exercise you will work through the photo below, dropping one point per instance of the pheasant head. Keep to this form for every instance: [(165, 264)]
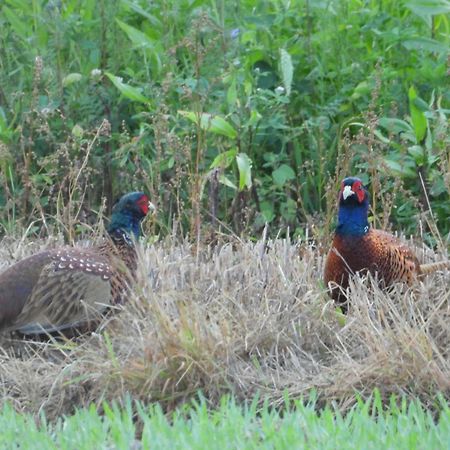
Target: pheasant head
[(128, 214), (353, 208)]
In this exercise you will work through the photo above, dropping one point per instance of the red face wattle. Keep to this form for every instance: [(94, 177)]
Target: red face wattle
[(358, 189), (143, 204)]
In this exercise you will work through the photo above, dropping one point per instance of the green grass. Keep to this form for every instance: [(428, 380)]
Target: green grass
[(407, 426)]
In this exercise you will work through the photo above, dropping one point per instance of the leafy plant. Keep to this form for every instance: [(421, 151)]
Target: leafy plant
[(271, 87)]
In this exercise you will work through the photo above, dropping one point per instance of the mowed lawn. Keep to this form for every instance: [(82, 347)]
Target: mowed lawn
[(366, 426)]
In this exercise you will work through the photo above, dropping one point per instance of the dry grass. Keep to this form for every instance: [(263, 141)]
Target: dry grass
[(242, 319)]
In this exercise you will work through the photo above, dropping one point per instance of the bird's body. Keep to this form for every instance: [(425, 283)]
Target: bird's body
[(376, 252), (68, 286), (357, 248)]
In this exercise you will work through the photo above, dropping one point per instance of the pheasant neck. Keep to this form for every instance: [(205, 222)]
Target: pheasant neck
[(123, 223), (352, 221)]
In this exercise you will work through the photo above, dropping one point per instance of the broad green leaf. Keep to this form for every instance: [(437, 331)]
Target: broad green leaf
[(126, 90), (151, 18), (226, 181), (71, 78), (209, 122), (361, 89), (417, 152), (418, 118), (394, 125), (288, 209), (166, 163), (221, 126), (224, 160), (244, 164), (232, 93), (428, 7), (357, 124), (143, 41), (155, 62), (438, 187), (282, 174), (191, 115), (39, 178), (248, 87), (442, 22), (255, 117), (426, 44), (421, 104), (380, 136), (77, 131), (267, 210), (136, 36), (287, 70), (400, 169)]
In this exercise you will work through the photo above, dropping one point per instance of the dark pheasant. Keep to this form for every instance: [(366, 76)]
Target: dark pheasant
[(358, 248), (63, 288)]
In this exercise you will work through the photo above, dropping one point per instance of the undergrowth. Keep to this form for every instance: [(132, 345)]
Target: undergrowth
[(230, 114)]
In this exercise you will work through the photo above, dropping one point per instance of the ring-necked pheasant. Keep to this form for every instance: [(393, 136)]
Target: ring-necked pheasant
[(358, 248), (66, 287)]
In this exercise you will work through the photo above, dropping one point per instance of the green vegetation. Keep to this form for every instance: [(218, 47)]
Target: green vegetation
[(226, 112), (365, 426)]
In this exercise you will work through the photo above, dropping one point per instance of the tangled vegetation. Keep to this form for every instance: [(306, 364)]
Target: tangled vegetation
[(231, 114)]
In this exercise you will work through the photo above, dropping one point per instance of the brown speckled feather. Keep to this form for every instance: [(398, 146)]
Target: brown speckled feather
[(68, 286), (121, 254), (378, 252)]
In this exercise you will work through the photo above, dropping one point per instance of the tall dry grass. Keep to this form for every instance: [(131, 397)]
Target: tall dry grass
[(247, 318)]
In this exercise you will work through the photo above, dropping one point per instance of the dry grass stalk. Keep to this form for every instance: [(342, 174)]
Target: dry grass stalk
[(242, 319)]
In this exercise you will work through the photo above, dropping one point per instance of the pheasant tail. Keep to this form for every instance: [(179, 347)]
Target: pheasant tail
[(435, 266)]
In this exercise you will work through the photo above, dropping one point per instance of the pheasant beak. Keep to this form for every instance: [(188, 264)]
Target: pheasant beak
[(151, 208), (347, 192)]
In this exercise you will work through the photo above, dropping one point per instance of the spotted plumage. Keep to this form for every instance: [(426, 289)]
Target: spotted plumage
[(68, 286), (357, 248)]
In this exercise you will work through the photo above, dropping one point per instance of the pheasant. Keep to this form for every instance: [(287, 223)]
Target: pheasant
[(67, 287), (358, 248)]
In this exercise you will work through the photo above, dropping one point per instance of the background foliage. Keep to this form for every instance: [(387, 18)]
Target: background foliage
[(231, 114)]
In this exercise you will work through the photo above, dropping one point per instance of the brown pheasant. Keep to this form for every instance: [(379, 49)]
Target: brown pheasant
[(358, 248), (67, 287)]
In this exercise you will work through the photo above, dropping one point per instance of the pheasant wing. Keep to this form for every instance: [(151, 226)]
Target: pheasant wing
[(73, 288)]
